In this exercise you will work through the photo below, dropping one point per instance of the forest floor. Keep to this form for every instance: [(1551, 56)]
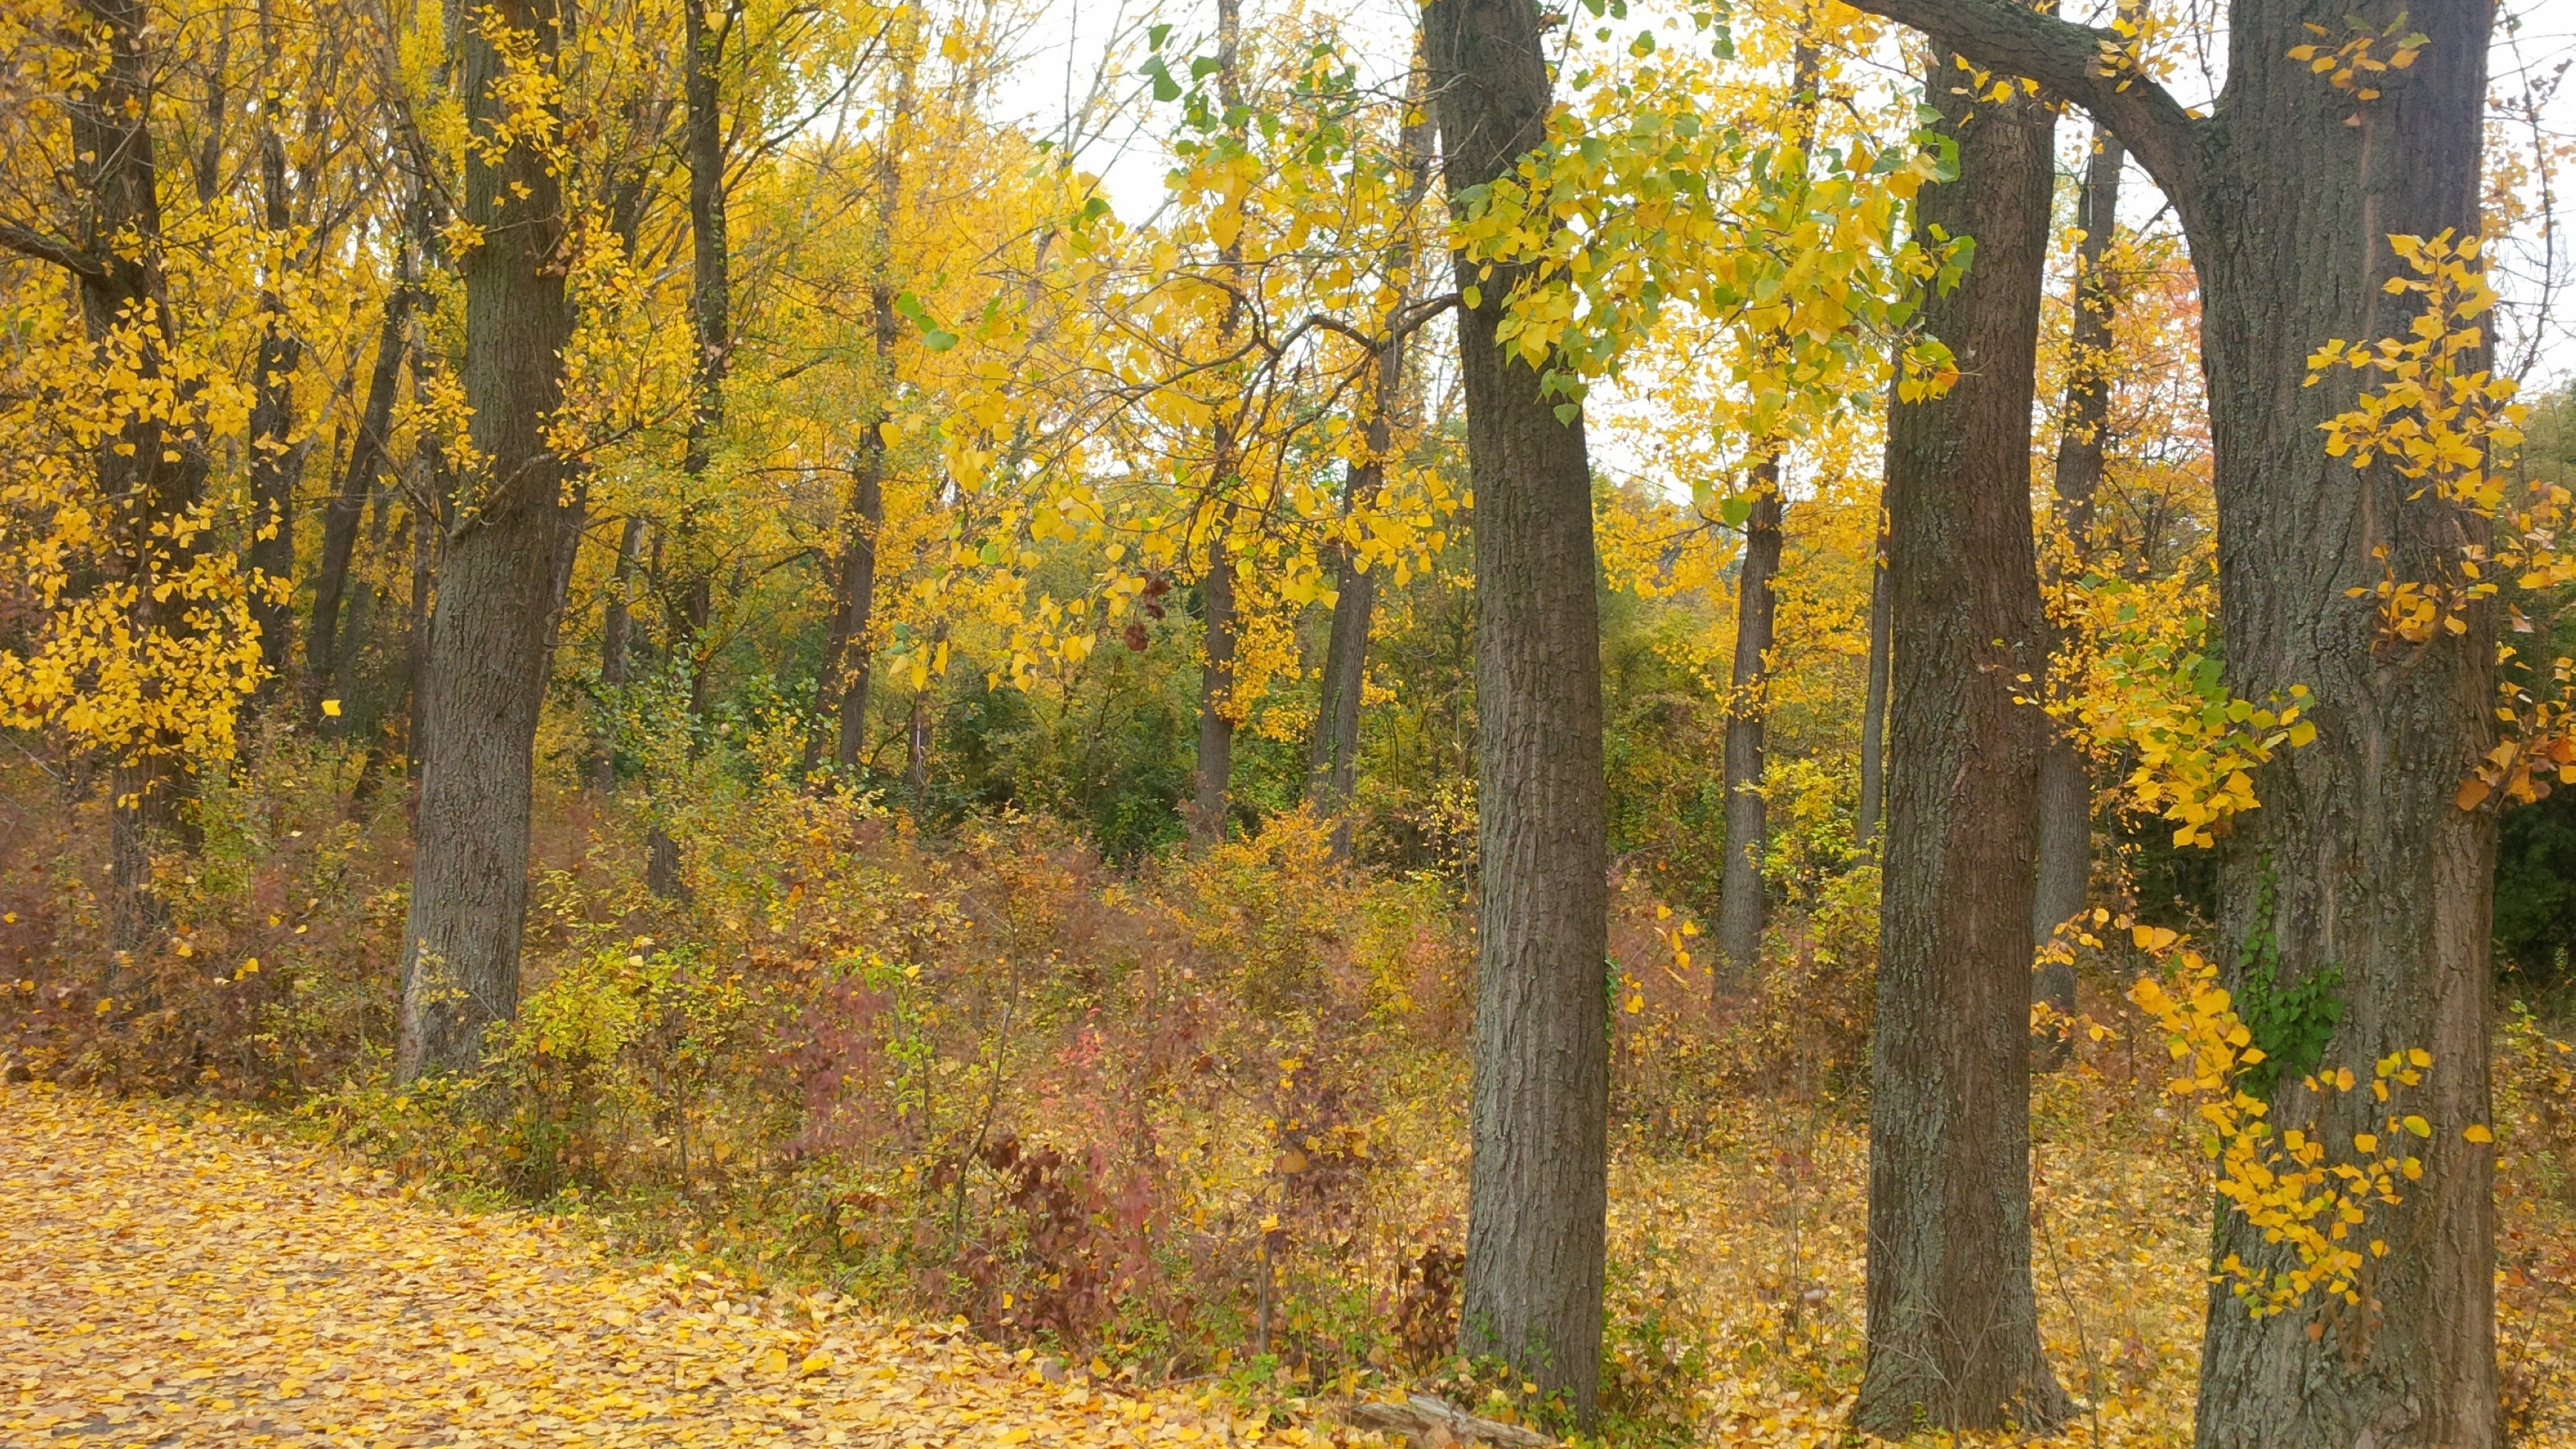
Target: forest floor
[(186, 1275), (170, 1281)]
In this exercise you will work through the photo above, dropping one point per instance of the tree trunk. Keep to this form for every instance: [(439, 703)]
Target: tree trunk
[(486, 672), (1739, 912), (1873, 711), (710, 325), (1214, 769), (1538, 1118), (322, 641), (1953, 1327), (1212, 777), (843, 683), (276, 462), (2065, 840), (149, 473), (2358, 860), (1333, 770), (614, 626)]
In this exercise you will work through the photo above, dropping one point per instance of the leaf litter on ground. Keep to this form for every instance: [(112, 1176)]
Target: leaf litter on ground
[(164, 1282)]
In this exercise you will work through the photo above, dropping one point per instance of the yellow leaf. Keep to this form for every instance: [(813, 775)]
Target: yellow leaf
[(2477, 1132), (331, 707)]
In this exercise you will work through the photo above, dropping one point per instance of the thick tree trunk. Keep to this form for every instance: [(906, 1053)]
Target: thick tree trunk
[(1953, 1326), (2065, 839), (348, 508), (1873, 711), (487, 658), (1739, 911), (2358, 861), (276, 462), (1538, 1119)]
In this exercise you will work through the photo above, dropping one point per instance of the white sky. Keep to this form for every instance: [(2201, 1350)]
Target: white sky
[(1070, 47)]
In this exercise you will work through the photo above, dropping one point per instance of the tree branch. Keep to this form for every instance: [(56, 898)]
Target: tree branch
[(2078, 62), (28, 242)]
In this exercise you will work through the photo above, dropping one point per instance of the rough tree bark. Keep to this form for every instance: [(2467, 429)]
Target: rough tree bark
[(486, 666), (1953, 1327), (1538, 1117), (348, 507), (2065, 840), (1873, 711), (2358, 860), (1739, 907)]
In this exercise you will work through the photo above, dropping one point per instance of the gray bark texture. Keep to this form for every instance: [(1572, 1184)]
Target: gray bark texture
[(1953, 1337), (2358, 861), (2065, 784), (1740, 900), (1538, 1118), (1873, 710), (486, 670)]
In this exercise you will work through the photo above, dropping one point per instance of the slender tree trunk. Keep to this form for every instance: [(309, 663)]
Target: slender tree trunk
[(843, 684), (1212, 777), (1739, 912), (1333, 769), (1748, 826), (2358, 861), (1538, 1117), (1953, 1325), (487, 657), (616, 622), (1873, 713), (150, 472), (276, 462), (710, 324), (340, 522), (1214, 771), (2065, 785)]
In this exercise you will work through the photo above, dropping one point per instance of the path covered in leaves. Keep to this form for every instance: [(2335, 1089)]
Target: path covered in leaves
[(173, 1285)]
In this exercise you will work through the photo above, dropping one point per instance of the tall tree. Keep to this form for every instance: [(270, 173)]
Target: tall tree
[(1333, 771), (1748, 827), (485, 669), (276, 457), (2359, 865), (2065, 840), (1953, 1325), (348, 505), (1538, 1119), (150, 467), (847, 653), (1740, 903), (1212, 778)]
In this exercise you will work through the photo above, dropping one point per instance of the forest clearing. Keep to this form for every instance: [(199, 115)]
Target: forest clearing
[(1287, 721)]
